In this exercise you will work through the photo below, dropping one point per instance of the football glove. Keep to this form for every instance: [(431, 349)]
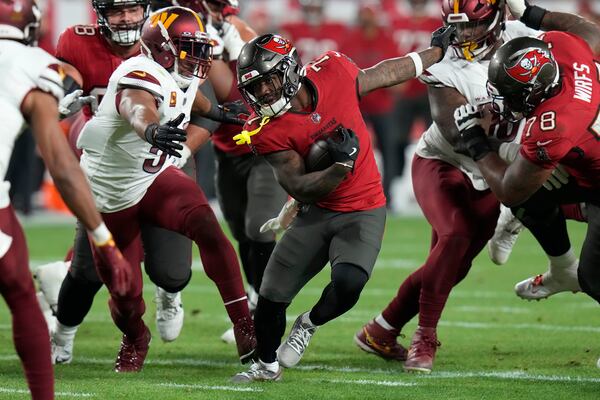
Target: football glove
[(74, 101), (117, 268), (443, 37), (346, 149), (281, 222), (234, 112), (167, 137), (558, 179), (472, 140)]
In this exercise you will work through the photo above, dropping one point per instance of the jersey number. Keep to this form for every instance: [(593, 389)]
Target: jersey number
[(547, 122), (315, 66), (85, 30), (153, 165)]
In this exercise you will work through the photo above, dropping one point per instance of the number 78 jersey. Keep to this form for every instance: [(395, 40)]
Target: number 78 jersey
[(119, 164), (565, 129)]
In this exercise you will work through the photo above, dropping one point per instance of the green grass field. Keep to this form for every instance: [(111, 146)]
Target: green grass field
[(494, 345)]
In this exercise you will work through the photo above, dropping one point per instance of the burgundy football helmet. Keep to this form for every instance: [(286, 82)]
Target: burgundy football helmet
[(122, 34), (176, 38), (479, 25), (20, 20)]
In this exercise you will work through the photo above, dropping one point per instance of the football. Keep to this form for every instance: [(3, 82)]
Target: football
[(318, 157)]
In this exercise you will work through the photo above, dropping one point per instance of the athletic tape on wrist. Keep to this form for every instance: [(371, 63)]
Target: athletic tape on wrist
[(416, 59)]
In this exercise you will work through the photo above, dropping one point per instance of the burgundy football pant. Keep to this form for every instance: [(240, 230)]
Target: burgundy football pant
[(176, 203), (30, 332), (462, 220)]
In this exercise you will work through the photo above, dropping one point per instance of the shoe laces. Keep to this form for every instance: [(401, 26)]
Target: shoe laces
[(425, 345), (299, 339), (127, 355), (168, 305)]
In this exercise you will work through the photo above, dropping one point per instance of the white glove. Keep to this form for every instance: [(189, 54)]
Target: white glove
[(516, 7), (232, 40), (467, 116), (73, 102), (218, 45), (280, 223), (558, 178), (179, 162)]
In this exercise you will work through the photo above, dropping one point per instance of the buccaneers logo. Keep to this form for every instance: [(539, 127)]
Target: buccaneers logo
[(529, 65), (278, 45)]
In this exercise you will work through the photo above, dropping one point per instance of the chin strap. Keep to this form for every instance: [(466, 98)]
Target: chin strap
[(244, 136)]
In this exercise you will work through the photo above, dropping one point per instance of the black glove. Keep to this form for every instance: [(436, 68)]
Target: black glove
[(346, 148), (443, 37), (235, 113), (472, 140), (533, 16), (168, 136)]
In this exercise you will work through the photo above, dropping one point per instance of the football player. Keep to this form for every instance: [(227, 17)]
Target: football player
[(137, 129), (95, 51), (292, 110), (31, 85), (553, 84)]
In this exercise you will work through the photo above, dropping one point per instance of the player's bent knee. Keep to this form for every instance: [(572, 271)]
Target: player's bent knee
[(349, 279), (172, 284)]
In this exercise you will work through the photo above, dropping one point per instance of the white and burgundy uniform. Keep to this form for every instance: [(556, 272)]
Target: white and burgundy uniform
[(23, 70)]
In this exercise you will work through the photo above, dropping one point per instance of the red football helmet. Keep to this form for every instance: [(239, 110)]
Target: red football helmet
[(176, 38), (479, 25), (20, 20)]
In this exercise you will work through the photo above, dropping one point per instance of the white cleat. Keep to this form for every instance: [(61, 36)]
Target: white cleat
[(291, 351), (545, 285), (50, 278), (505, 236), (169, 314), (62, 350)]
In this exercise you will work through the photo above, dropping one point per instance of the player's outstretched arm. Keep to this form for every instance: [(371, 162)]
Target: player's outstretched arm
[(305, 187), (394, 71), (539, 18), (41, 111)]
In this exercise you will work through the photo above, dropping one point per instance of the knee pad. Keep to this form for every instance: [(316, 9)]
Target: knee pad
[(171, 284)]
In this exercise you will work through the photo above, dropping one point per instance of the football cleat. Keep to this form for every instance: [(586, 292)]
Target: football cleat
[(169, 314), (291, 351), (553, 281), (375, 339), (61, 351), (49, 278), (258, 372), (245, 338), (505, 236), (132, 354), (422, 351)]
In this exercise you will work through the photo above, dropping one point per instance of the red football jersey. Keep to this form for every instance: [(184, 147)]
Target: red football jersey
[(222, 138), (414, 34), (84, 47), (565, 129), (312, 41), (367, 52), (334, 78)]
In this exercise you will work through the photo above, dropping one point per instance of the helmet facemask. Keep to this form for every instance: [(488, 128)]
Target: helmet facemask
[(123, 34), (270, 94), (475, 39)]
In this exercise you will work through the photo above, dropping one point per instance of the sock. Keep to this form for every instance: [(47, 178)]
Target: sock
[(272, 366), (563, 261), (64, 333), (383, 323), (306, 319), (405, 305), (237, 309), (269, 323)]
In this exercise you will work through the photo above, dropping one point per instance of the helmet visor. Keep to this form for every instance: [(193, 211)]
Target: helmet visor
[(195, 57)]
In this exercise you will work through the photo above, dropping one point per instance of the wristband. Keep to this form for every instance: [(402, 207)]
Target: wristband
[(416, 59), (101, 235), (533, 16)]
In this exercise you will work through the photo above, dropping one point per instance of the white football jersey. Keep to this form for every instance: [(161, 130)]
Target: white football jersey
[(470, 79), (120, 165), (22, 69)]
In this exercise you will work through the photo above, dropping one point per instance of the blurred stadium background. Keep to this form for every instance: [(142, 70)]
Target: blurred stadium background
[(366, 30)]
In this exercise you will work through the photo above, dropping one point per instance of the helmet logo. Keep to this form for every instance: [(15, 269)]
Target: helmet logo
[(165, 18), (278, 45), (529, 65)]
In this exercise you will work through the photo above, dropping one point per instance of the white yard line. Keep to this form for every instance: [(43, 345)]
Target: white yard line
[(366, 382), (210, 387), (58, 394)]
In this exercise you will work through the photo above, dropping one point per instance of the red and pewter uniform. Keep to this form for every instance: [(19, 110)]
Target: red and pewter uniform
[(85, 48), (565, 129), (311, 41), (337, 104)]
